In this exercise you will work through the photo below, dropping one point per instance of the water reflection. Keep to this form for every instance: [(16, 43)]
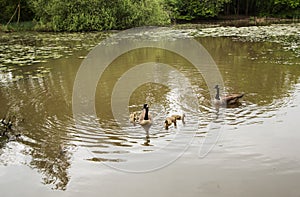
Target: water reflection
[(53, 163), (263, 71), (250, 68), (43, 107), (147, 140)]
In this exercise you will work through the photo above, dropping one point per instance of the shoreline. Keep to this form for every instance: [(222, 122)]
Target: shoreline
[(236, 21)]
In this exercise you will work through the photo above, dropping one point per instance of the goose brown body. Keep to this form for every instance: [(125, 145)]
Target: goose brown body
[(227, 100)]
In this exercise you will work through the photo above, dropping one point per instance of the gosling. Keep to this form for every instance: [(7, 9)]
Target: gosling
[(178, 117), (133, 118), (169, 121)]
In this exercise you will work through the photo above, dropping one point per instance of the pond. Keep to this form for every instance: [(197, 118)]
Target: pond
[(256, 151)]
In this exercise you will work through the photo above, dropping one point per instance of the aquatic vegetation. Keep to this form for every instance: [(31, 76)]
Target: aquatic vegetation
[(285, 34), (25, 49), (29, 48)]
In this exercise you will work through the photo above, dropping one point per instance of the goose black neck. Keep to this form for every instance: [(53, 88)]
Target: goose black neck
[(218, 94), (146, 117)]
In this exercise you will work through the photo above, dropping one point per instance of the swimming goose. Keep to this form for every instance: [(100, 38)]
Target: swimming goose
[(227, 100), (145, 117)]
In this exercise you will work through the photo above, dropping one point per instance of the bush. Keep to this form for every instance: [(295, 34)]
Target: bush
[(88, 15)]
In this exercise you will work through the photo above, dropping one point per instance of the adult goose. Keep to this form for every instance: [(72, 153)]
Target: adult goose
[(228, 100), (145, 117)]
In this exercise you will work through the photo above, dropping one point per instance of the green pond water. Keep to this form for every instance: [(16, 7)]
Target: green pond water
[(256, 153)]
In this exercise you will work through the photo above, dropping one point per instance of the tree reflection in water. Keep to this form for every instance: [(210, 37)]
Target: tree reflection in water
[(54, 169), (43, 100)]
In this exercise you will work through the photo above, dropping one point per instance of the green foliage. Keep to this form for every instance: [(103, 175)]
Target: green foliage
[(289, 3), (8, 8), (276, 8), (280, 8), (286, 8), (131, 13), (88, 15), (77, 15), (193, 9), (173, 8)]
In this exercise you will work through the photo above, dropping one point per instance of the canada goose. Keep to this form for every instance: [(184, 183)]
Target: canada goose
[(227, 100), (145, 117), (178, 117), (169, 121), (133, 117)]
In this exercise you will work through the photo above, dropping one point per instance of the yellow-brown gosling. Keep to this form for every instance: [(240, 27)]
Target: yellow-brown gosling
[(169, 121), (179, 117), (133, 118)]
